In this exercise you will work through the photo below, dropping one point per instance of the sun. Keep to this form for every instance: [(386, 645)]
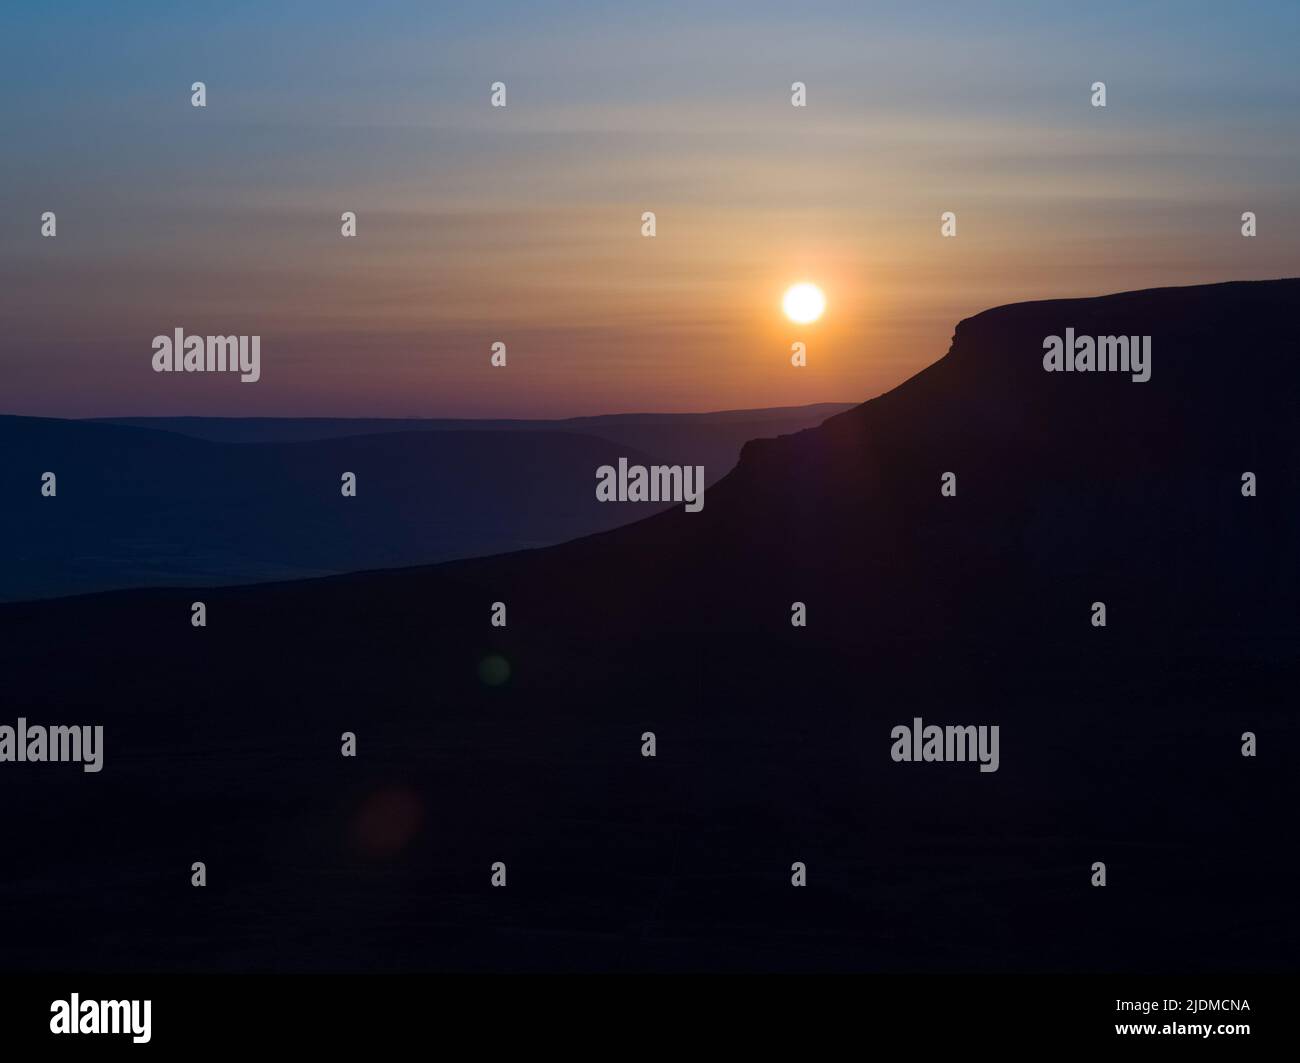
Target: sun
[(803, 303)]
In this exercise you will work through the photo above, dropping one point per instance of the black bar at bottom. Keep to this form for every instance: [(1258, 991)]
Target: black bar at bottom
[(620, 1014)]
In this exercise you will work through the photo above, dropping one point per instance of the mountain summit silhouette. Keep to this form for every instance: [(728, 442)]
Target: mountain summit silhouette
[(1066, 486), (524, 744)]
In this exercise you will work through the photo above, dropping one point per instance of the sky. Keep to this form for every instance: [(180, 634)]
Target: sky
[(522, 224)]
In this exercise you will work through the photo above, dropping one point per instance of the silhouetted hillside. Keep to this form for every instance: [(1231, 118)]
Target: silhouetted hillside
[(1120, 744), (141, 506), (1069, 485)]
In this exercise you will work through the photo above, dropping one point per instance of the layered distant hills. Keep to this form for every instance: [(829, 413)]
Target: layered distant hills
[(214, 500), (1120, 744)]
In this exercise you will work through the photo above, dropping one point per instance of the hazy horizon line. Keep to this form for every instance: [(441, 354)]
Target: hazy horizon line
[(433, 417)]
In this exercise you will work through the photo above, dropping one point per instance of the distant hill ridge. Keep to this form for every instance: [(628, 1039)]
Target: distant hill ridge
[(188, 501)]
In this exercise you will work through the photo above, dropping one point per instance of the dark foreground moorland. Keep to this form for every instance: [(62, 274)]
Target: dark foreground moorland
[(1118, 744)]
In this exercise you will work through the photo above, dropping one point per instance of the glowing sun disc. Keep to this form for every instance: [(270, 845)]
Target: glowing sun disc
[(803, 303)]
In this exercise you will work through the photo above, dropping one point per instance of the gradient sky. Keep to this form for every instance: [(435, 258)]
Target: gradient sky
[(523, 224)]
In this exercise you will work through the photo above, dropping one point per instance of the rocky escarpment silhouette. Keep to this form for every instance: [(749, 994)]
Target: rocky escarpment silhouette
[(1069, 480), (1119, 744)]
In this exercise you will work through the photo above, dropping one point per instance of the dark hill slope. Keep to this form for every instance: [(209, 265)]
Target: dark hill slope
[(142, 507), (1118, 744)]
